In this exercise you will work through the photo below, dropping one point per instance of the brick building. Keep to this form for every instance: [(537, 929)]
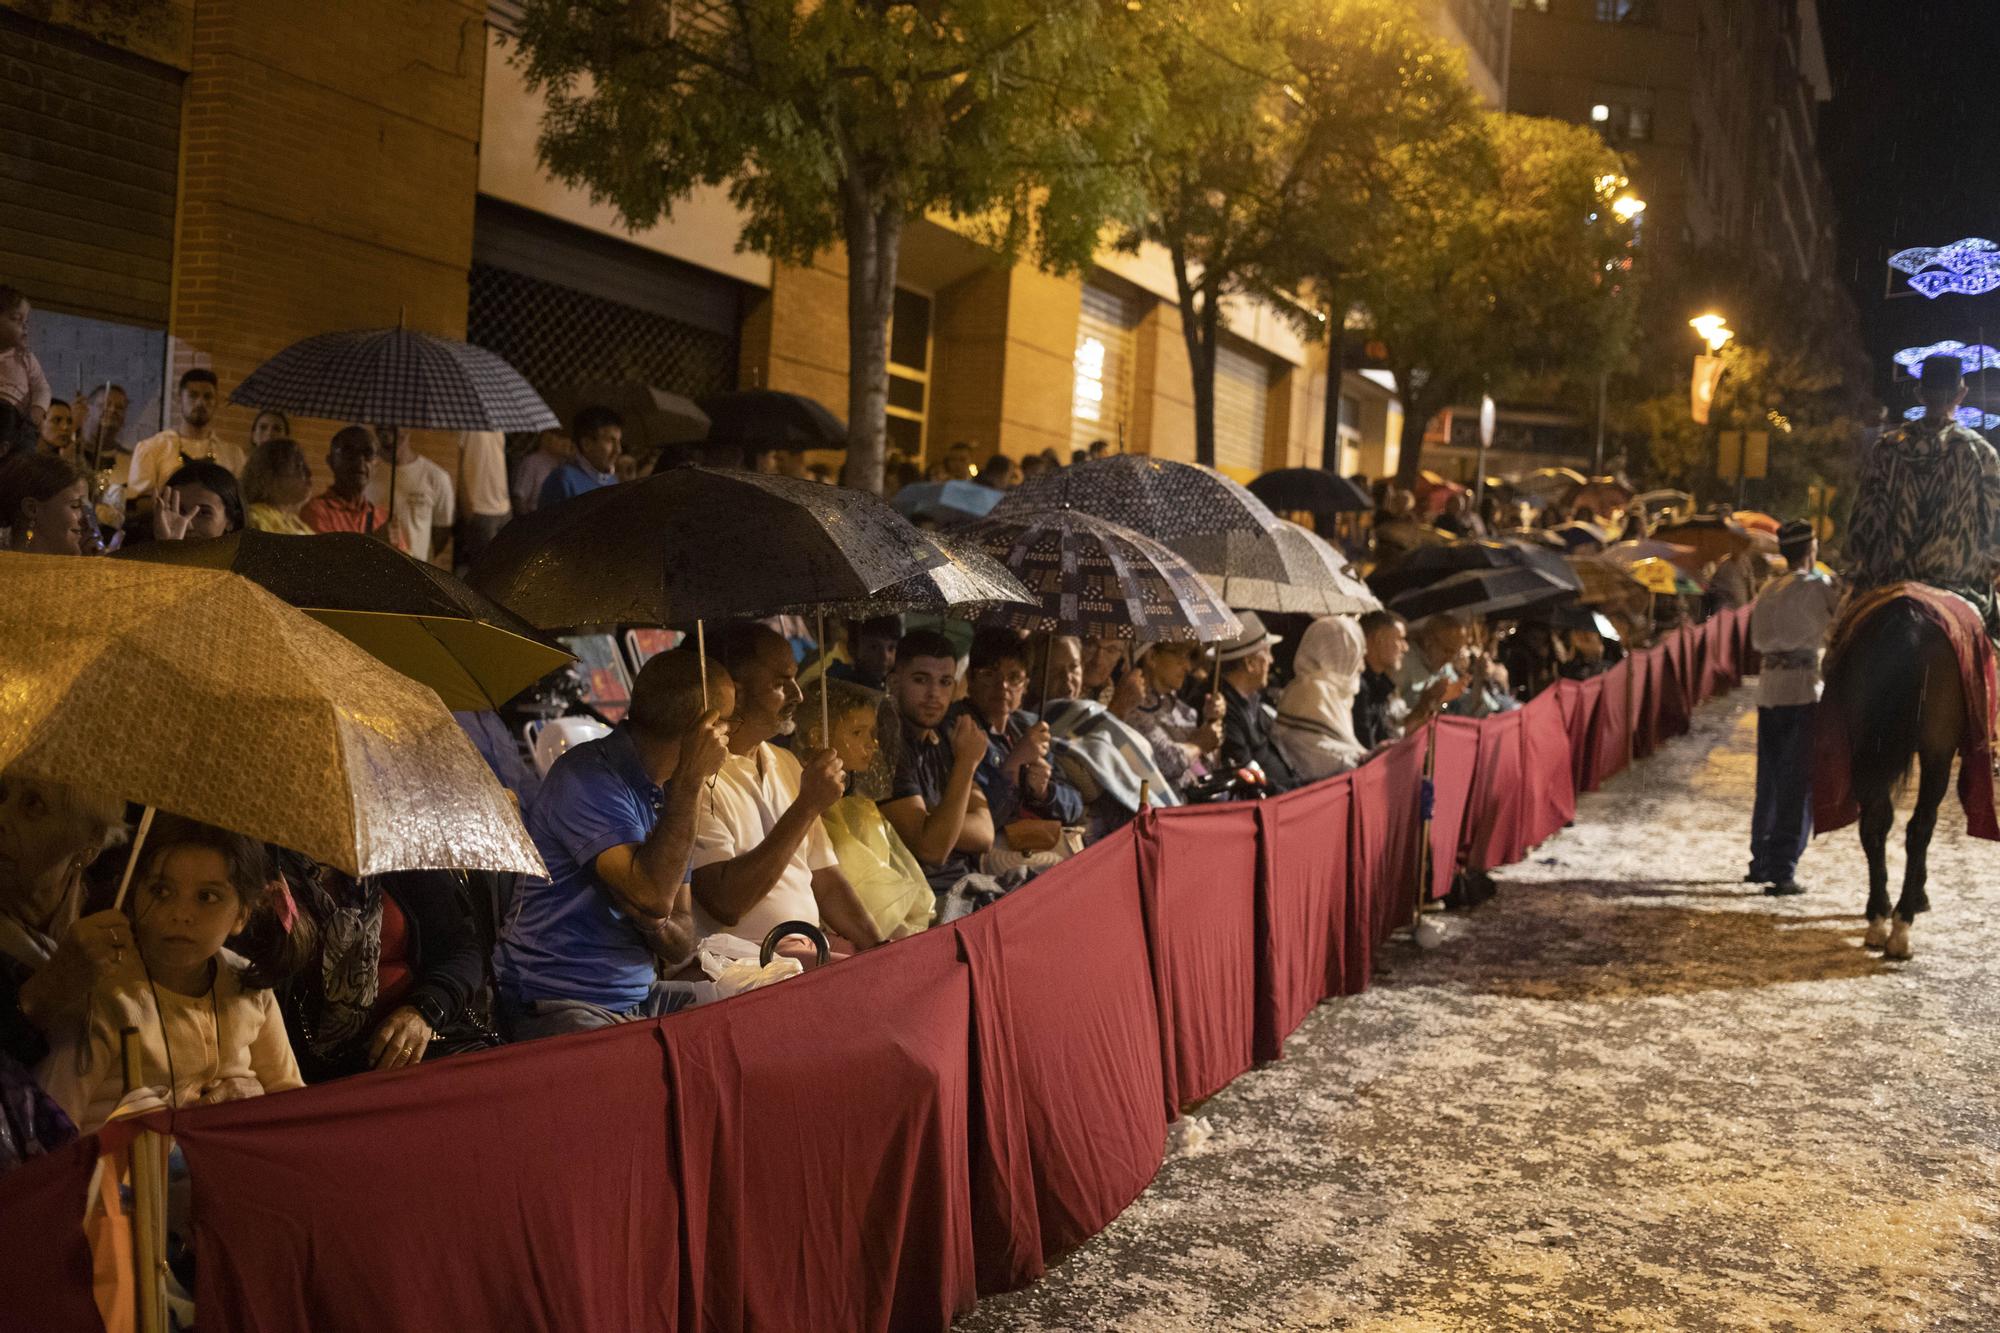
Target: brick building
[(210, 180)]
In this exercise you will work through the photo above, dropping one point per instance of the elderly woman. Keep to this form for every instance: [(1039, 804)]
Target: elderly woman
[(277, 482), (45, 506), (1315, 727), (49, 960), (1149, 700)]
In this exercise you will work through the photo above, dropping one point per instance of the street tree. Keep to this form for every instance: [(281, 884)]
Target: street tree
[(841, 123), (1284, 121), (1500, 270)]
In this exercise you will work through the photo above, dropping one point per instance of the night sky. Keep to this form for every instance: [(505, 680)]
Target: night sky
[(1911, 143)]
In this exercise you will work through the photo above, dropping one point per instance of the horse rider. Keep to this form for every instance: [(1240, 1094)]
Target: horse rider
[(1927, 508), (1788, 627)]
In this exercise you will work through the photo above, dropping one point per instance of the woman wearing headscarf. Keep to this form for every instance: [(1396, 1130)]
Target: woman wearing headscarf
[(1315, 727)]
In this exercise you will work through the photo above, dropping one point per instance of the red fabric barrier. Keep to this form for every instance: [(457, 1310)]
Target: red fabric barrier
[(529, 1188), (1302, 904), (1072, 1115), (1385, 836), (1610, 728), (824, 1169), (1198, 875), (1548, 797), (1648, 666), (1579, 699), (45, 1283), (1456, 765), (1493, 819)]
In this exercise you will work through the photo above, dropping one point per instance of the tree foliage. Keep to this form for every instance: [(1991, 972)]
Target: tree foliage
[(1286, 123), (840, 122), (1501, 269)]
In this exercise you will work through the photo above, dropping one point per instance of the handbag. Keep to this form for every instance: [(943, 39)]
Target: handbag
[(1033, 835)]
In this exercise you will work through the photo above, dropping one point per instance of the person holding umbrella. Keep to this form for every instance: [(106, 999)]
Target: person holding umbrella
[(761, 855)]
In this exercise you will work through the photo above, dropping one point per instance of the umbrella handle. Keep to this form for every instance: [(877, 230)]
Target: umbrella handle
[(825, 703), (701, 658), (132, 857)]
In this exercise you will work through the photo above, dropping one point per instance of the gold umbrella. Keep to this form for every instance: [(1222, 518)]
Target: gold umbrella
[(197, 692)]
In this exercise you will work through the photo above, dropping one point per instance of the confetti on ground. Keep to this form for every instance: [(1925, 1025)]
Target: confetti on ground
[(1629, 1094)]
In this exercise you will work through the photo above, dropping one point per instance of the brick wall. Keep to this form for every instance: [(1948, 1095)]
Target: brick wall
[(329, 168)]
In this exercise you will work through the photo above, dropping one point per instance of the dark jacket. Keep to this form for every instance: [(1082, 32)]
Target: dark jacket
[(1008, 801), (1246, 738), (1374, 706)]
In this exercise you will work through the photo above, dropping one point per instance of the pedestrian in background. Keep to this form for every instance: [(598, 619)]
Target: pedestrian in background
[(1788, 627)]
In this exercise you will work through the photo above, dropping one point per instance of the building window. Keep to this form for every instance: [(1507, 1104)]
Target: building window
[(909, 371), (1625, 11), (1535, 6), (1624, 115), (1101, 396)]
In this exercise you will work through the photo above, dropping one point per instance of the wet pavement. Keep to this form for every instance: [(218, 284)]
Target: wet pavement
[(1629, 1093)]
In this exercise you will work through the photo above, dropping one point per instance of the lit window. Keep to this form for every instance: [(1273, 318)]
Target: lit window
[(1089, 394)]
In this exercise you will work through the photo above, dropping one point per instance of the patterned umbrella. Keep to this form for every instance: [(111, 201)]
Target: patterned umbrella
[(699, 544), (1163, 500), (197, 692), (1098, 579), (1289, 569), (414, 616), (967, 585), (396, 377)]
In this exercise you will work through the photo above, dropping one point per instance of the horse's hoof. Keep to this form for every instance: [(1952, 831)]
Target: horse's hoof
[(1878, 933), (1898, 946)]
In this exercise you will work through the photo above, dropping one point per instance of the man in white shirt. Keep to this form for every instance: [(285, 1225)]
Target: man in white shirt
[(761, 854), (424, 500), (484, 506), (1788, 627), (158, 457)]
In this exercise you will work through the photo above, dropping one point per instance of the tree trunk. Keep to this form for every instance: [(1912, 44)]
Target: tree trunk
[(874, 238), (1201, 323), (1417, 414), (1336, 371)]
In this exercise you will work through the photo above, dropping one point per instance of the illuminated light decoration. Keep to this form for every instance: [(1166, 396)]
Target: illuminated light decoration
[(1970, 267), (1087, 396), (1625, 207), (1600, 113), (1975, 358), (1714, 330), (1970, 417)]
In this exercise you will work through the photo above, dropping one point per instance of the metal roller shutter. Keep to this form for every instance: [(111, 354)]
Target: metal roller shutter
[(1242, 406), (1102, 401), (89, 158)]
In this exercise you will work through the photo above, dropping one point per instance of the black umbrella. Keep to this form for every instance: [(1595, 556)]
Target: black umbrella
[(699, 544), (1428, 565), (414, 616), (1312, 489), (769, 419), (1157, 498), (1095, 578), (1482, 592)]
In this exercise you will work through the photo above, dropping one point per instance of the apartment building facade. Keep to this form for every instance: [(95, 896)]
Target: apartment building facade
[(218, 178)]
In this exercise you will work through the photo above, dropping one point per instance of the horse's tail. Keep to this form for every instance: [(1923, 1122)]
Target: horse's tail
[(1878, 684)]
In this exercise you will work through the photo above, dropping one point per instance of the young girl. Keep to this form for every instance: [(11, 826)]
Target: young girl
[(886, 877), (208, 1028)]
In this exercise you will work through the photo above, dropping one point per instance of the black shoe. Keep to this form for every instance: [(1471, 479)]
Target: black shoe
[(1791, 888)]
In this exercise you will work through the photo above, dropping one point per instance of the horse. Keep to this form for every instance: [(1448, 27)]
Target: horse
[(1895, 688)]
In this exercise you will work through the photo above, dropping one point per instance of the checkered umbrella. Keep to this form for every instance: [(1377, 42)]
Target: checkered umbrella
[(396, 377), (1098, 579)]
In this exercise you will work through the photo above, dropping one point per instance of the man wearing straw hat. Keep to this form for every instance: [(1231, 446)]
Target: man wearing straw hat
[(1246, 726)]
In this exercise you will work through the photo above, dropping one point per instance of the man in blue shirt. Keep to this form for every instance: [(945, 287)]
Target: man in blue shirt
[(1017, 778), (615, 823), (934, 801), (600, 435)]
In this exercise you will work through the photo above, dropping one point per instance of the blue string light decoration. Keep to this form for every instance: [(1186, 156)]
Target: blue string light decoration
[(1970, 417), (1970, 267), (1975, 358)]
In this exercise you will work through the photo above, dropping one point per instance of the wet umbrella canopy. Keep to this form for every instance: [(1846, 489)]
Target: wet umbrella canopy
[(699, 544), (772, 419), (197, 692), (414, 616), (396, 377), (1163, 500), (1428, 565), (1482, 592), (1311, 490), (1285, 570), (1097, 579)]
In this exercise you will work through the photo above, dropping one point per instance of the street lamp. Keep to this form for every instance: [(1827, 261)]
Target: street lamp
[(1714, 330), (1626, 207)]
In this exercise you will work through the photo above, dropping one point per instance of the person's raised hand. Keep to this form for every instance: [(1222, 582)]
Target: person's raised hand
[(1032, 745), (968, 740), (140, 1101), (170, 521), (399, 1040), (706, 747), (1038, 773), (1128, 693), (103, 943), (822, 781), (1213, 708)]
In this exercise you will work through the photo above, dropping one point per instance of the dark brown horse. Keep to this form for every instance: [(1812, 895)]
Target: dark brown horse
[(1895, 689)]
